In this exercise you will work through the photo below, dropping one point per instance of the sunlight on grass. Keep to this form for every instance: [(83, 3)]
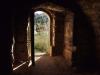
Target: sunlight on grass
[(41, 42)]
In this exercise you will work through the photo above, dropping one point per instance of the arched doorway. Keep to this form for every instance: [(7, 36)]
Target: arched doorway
[(41, 34)]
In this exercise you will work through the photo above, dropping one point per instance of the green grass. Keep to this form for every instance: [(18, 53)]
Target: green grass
[(41, 42)]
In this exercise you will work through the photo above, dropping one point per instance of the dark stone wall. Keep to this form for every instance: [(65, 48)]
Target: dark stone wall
[(59, 36), (92, 8), (86, 34), (21, 13), (12, 16), (5, 37), (20, 34), (84, 40), (68, 36)]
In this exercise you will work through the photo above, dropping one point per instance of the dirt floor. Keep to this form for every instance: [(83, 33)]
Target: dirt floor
[(47, 65)]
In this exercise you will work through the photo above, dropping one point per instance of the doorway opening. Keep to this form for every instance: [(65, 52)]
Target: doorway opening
[(41, 34)]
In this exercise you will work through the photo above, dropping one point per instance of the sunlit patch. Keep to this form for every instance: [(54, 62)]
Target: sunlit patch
[(30, 63), (39, 12), (12, 49), (19, 66), (39, 55)]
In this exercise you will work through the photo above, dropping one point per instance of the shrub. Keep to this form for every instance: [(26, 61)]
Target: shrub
[(41, 42)]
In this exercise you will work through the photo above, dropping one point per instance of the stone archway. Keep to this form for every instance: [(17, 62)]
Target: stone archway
[(50, 31), (41, 34), (61, 25)]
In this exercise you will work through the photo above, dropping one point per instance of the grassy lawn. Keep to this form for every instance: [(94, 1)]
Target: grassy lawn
[(41, 41)]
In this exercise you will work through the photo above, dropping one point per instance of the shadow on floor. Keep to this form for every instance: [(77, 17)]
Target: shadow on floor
[(47, 65)]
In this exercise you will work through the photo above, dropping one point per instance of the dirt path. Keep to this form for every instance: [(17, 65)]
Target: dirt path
[(47, 65)]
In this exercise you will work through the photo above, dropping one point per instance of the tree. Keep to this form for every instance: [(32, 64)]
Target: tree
[(40, 21)]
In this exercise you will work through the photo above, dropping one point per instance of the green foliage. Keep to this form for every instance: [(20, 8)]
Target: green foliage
[(41, 42), (41, 21)]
